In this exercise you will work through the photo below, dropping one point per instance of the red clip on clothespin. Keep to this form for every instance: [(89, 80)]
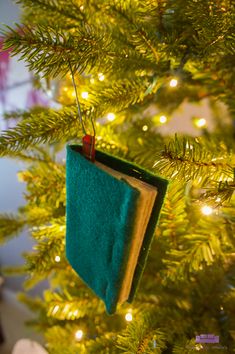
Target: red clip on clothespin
[(88, 141), (88, 147)]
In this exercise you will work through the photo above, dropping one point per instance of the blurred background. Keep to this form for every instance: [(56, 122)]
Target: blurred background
[(16, 89)]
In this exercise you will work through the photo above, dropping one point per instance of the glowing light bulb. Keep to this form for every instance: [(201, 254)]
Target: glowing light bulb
[(200, 122), (92, 80), (56, 308), (163, 119), (73, 94), (206, 210), (85, 95), (57, 259), (110, 116), (79, 334), (173, 83), (145, 128), (128, 317), (198, 347), (49, 93), (76, 313), (101, 76), (189, 146)]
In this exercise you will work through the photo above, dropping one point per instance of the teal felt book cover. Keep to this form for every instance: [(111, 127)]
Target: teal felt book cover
[(101, 220)]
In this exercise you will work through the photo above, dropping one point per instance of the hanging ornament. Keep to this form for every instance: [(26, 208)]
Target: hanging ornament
[(112, 208), (112, 211)]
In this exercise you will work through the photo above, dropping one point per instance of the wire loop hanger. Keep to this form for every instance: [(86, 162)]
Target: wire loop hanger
[(77, 100), (88, 141)]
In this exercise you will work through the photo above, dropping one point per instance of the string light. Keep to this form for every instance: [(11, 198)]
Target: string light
[(189, 146), (57, 259), (56, 308), (201, 122), (154, 341), (128, 316), (198, 347), (206, 210), (173, 83), (79, 334), (85, 95), (75, 313), (92, 80), (163, 119), (110, 116), (49, 93), (101, 76), (145, 128)]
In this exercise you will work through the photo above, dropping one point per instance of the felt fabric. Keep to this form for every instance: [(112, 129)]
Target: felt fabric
[(100, 212)]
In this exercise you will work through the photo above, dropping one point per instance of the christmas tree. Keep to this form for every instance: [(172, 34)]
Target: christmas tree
[(134, 63)]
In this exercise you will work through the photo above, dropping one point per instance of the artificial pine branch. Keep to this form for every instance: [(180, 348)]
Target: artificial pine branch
[(10, 226), (49, 52), (47, 126), (71, 12), (42, 262), (63, 306), (140, 337), (187, 159)]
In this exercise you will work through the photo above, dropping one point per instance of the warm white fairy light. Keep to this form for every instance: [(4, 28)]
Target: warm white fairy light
[(76, 312), (92, 80), (57, 259), (79, 334), (128, 317), (189, 146), (201, 122), (49, 93), (206, 210), (163, 119), (145, 128), (85, 95), (173, 83), (198, 347), (56, 308), (110, 116), (101, 76)]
